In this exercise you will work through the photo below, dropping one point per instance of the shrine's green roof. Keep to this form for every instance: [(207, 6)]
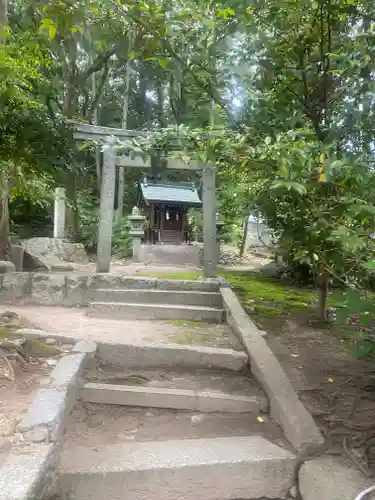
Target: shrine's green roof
[(165, 192)]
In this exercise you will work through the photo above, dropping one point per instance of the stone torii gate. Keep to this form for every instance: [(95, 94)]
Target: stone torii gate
[(108, 136)]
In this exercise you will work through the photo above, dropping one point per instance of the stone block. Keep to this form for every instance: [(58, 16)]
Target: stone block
[(104, 280), (62, 267), (68, 371), (179, 399), (285, 406), (16, 256), (54, 403), (190, 469), (170, 355), (77, 290), (28, 474), (48, 289), (7, 267), (15, 287), (32, 333), (331, 478), (48, 410), (87, 347)]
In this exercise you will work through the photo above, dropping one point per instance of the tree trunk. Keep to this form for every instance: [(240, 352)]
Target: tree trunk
[(121, 170), (68, 177), (4, 183), (95, 121), (4, 215), (160, 104), (3, 20), (244, 237), (322, 286)]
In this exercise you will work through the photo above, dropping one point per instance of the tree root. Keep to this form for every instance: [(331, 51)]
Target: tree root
[(344, 431), (10, 350), (4, 357)]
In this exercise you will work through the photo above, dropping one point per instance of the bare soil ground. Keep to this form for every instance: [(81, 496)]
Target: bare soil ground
[(94, 425), (241, 384), (336, 388), (17, 395)]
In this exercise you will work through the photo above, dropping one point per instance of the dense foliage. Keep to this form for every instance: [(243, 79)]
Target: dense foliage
[(278, 94)]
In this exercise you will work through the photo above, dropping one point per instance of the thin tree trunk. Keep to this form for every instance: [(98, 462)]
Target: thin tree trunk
[(69, 177), (95, 121), (4, 214), (3, 20), (4, 183), (121, 170), (244, 237), (322, 286)]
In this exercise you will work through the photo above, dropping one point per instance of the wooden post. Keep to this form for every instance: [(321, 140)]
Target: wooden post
[(162, 217), (182, 216), (107, 198), (209, 221)]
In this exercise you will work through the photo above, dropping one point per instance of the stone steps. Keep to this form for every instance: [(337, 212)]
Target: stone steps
[(125, 310), (155, 296), (165, 397), (221, 468), (171, 356), (143, 282)]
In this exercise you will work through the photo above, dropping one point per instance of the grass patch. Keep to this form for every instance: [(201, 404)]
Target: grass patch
[(185, 322), (272, 300), (6, 332), (197, 337)]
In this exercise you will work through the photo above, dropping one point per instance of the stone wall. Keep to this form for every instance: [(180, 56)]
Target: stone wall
[(75, 289)]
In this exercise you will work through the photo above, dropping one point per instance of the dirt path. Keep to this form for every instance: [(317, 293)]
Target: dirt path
[(74, 322)]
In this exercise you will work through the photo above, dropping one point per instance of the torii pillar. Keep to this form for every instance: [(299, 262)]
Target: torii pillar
[(209, 221), (107, 202)]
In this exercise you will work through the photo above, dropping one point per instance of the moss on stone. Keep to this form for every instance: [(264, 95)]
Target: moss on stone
[(38, 349)]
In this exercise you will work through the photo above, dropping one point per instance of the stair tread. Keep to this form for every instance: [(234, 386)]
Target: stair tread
[(172, 454), (157, 290), (198, 380), (167, 390), (156, 306)]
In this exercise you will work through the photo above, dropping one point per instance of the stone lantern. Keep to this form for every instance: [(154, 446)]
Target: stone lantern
[(219, 233), (137, 222)]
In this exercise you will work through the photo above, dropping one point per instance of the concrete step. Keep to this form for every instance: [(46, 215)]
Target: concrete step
[(142, 282), (125, 310), (154, 296), (190, 469), (149, 356), (165, 397)]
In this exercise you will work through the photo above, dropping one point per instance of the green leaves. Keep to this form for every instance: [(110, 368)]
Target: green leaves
[(226, 13), (290, 186), (47, 24)]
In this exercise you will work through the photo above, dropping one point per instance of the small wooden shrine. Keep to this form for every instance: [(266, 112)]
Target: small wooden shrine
[(166, 205)]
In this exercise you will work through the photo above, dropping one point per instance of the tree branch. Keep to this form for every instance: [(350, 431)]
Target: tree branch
[(212, 94)]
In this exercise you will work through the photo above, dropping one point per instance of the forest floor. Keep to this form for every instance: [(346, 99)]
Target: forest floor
[(19, 384), (337, 388)]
